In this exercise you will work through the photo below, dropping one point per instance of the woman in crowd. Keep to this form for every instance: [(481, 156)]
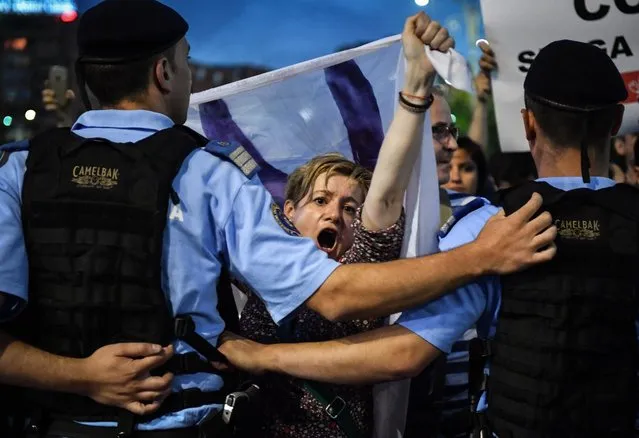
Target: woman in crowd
[(354, 216), (469, 170)]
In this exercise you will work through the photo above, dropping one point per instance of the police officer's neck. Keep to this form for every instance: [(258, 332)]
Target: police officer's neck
[(132, 105), (566, 162)]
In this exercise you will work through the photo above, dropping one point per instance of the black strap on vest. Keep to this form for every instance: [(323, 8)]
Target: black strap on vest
[(477, 381), (187, 363), (185, 331)]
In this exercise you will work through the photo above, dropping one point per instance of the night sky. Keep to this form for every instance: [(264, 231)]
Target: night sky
[(277, 33)]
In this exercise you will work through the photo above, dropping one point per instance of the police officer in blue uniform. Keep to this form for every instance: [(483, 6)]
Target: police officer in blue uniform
[(116, 232), (560, 338)]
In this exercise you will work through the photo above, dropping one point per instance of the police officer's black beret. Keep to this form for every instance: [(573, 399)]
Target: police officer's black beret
[(575, 76), (119, 31)]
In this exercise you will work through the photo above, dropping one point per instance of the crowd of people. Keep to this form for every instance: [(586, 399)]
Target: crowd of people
[(124, 234)]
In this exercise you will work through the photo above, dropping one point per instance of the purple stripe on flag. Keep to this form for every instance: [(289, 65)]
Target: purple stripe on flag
[(218, 124), (357, 104)]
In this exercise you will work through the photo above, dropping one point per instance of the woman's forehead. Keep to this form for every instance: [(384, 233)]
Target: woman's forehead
[(338, 184)]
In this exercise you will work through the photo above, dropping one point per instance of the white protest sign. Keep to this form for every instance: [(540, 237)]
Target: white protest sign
[(518, 29)]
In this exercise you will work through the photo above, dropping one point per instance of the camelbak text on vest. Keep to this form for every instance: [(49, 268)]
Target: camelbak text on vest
[(96, 177)]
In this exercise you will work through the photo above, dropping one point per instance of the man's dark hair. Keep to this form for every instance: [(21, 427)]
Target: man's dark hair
[(568, 128), (113, 83)]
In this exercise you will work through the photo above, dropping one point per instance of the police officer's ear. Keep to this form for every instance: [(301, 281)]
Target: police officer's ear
[(163, 75), (619, 110), (530, 125)]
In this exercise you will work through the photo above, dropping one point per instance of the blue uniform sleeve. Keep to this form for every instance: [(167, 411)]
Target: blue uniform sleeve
[(283, 269), (443, 322), (13, 257)]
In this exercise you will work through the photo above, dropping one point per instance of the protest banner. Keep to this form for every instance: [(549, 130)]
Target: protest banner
[(518, 29)]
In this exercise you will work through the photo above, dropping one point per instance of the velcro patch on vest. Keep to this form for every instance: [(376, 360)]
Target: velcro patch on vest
[(284, 222), (235, 153), (578, 229), (95, 177)]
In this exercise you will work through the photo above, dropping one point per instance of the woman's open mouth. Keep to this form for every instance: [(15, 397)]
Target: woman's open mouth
[(327, 239)]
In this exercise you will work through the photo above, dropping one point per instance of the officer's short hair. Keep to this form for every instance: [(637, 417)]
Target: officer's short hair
[(113, 83), (302, 180), (566, 128)]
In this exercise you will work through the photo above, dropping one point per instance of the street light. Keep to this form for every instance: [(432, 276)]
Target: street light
[(7, 121), (30, 115)]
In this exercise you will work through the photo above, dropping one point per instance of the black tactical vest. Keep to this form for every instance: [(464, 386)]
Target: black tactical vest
[(564, 358), (94, 214)]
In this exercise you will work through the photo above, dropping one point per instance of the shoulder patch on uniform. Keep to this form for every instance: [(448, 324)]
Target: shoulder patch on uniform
[(234, 153), (284, 222), (6, 149), (463, 210)]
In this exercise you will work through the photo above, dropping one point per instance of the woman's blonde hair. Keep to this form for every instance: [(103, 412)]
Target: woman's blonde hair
[(302, 180)]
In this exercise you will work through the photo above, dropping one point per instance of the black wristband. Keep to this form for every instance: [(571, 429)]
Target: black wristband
[(417, 108)]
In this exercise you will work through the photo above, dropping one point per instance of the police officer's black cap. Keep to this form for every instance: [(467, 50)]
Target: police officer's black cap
[(121, 31), (575, 76)]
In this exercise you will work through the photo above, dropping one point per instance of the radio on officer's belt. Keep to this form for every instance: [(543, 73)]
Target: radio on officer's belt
[(238, 404)]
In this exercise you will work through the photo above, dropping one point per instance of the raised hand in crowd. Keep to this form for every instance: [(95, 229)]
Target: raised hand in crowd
[(51, 103), (419, 31), (487, 64), (478, 130)]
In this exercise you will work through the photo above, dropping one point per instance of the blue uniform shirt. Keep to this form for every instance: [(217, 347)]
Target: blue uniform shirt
[(459, 199), (455, 398), (223, 218), (443, 321), (13, 267)]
